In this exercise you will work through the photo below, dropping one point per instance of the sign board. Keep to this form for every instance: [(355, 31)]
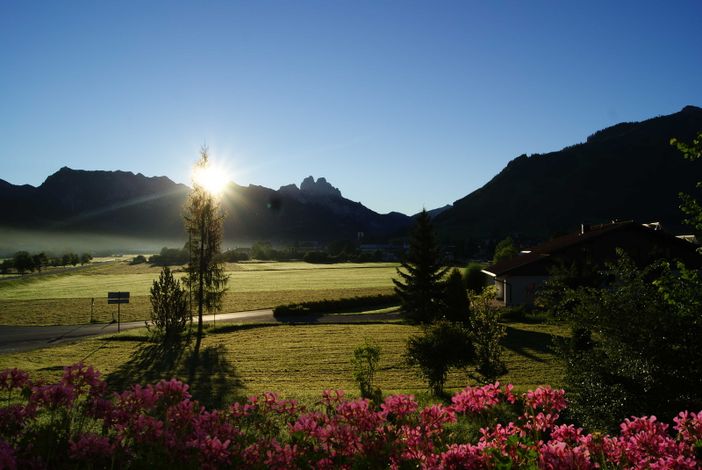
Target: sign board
[(118, 297)]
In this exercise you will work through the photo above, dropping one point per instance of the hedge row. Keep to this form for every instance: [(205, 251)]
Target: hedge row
[(350, 304)]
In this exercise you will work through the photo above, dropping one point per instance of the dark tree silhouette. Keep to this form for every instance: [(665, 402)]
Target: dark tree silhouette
[(690, 206), (457, 307), (420, 286), (203, 221)]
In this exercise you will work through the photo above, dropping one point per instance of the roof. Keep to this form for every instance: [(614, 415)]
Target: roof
[(538, 257)]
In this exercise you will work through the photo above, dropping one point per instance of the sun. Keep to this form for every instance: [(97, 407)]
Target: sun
[(211, 177)]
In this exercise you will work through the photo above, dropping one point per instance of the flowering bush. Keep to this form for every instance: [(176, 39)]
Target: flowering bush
[(77, 423)]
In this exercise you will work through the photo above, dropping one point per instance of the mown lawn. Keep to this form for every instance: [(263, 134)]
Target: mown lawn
[(66, 297), (296, 361)]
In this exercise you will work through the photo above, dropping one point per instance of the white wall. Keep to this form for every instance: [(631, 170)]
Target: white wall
[(518, 290)]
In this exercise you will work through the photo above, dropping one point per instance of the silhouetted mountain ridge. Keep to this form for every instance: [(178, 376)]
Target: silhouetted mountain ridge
[(124, 203), (626, 171)]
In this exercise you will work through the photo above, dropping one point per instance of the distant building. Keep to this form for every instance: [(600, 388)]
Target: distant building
[(518, 278)]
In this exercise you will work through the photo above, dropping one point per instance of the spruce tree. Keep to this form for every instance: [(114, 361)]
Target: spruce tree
[(203, 219), (420, 286)]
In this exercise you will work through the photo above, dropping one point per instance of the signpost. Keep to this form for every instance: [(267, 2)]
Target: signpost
[(118, 298)]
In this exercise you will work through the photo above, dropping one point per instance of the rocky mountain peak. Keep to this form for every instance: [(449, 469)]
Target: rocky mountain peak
[(321, 187)]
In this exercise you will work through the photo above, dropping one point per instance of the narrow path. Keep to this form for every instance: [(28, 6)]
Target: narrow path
[(27, 338)]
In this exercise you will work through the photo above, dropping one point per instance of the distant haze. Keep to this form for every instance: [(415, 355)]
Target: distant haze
[(36, 241)]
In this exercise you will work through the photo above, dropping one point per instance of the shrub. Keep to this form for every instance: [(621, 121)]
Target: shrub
[(170, 257), (636, 343), (486, 333), (138, 259), (169, 307), (349, 304), (443, 345), (365, 364), (474, 278), (456, 303)]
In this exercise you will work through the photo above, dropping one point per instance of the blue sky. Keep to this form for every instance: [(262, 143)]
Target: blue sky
[(400, 104)]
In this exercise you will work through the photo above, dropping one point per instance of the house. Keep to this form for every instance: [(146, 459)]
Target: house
[(518, 278)]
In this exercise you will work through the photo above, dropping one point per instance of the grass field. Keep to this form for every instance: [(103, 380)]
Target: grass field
[(66, 297), (296, 361)]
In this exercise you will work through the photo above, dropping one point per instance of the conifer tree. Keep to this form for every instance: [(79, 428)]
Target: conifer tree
[(420, 286), (203, 220)]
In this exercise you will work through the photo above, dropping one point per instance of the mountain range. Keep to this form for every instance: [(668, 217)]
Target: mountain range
[(128, 204), (627, 171)]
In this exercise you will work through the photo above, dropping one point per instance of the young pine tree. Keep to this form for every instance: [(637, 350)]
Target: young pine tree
[(420, 286), (169, 307)]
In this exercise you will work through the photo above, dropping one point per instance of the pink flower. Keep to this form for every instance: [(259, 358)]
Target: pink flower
[(7, 456), (398, 406), (53, 396), (645, 443), (689, 426), (479, 399), (13, 378), (171, 391), (91, 447), (280, 457), (78, 376), (557, 455), (14, 417), (213, 453), (546, 399), (434, 417), (541, 422), (331, 398), (462, 457), (278, 405), (308, 423)]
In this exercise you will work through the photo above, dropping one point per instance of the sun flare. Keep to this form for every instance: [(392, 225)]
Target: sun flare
[(211, 177)]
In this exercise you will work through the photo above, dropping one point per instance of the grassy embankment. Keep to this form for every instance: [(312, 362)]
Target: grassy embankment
[(65, 298), (296, 361)]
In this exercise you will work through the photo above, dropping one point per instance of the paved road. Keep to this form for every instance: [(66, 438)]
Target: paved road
[(26, 338)]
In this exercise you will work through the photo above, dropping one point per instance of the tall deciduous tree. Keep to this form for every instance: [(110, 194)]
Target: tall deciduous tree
[(203, 220), (505, 249), (420, 286)]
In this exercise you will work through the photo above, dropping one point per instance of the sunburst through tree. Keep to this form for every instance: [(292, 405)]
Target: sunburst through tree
[(204, 218)]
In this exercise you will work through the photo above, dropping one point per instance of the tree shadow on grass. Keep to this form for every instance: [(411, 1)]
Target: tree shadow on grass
[(523, 342), (213, 380)]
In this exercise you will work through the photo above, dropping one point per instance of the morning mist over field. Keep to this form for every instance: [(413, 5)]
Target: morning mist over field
[(350, 234), (13, 240)]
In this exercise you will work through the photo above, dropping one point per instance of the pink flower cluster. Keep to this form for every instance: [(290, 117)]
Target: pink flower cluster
[(77, 423)]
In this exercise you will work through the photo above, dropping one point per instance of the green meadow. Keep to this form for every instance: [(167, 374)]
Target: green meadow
[(298, 361), (66, 297)]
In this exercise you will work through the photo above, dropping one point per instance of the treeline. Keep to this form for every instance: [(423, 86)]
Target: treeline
[(23, 261), (335, 252)]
